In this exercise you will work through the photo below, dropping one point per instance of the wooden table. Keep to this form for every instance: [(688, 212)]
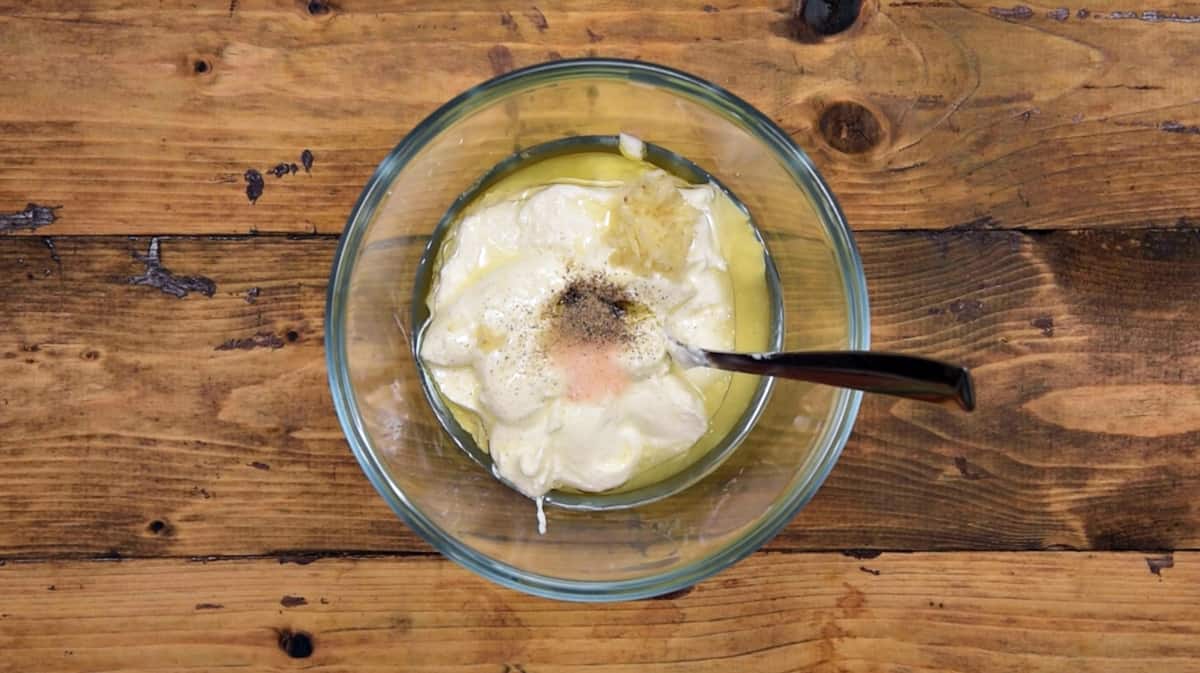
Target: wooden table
[(176, 493)]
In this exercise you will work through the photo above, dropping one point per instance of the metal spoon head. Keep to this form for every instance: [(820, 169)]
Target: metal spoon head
[(686, 356)]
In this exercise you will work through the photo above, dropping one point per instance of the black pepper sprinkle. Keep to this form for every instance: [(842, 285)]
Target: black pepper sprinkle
[(279, 171), (306, 159), (592, 310)]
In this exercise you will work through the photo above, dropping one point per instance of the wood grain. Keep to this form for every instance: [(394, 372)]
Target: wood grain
[(133, 423), (826, 613), (143, 120)]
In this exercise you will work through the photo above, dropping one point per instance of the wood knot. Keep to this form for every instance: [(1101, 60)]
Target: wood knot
[(827, 17), (814, 20), (318, 8), (850, 128), (296, 644)]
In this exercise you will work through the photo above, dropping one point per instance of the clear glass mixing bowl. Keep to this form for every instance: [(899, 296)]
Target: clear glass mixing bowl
[(445, 495)]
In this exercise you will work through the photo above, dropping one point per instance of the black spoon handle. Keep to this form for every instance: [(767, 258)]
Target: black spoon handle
[(887, 373)]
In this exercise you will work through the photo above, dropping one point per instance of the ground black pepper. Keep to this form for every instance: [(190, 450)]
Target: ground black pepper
[(592, 310)]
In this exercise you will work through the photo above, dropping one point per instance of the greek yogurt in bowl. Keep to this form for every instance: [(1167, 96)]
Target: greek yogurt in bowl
[(553, 297)]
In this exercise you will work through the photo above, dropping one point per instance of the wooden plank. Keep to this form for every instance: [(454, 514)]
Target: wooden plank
[(123, 406), (141, 120), (825, 613)]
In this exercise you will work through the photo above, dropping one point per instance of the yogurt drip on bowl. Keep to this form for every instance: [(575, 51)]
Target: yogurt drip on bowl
[(548, 323)]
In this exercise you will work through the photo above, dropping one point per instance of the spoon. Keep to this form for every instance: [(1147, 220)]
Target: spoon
[(905, 376)]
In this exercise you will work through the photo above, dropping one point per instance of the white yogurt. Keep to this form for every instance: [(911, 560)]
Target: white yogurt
[(581, 417)]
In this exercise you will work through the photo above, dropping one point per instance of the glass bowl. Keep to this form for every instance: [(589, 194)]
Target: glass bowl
[(732, 503)]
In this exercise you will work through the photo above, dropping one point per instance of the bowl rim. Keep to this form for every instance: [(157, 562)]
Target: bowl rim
[(734, 109)]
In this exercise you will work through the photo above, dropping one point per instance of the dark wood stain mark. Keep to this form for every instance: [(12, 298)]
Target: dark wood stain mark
[(33, 217), (966, 470), (281, 169), (209, 606), (51, 588), (506, 20), (319, 8), (252, 295), (1157, 564), (1152, 16), (160, 527), (710, 9), (853, 601), (201, 66), (259, 466), (500, 58), (233, 5), (292, 601), (672, 595), (254, 184), (1045, 323), (299, 558), (870, 571), (49, 243), (260, 340), (1176, 127), (1082, 14), (920, 3), (1133, 531), (862, 554), (593, 36), (1060, 14), (306, 160), (1131, 87), (538, 19), (1016, 12), (965, 310), (296, 644), (850, 128), (157, 275), (203, 492)]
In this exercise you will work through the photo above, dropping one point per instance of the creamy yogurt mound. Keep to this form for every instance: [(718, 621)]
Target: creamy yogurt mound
[(549, 316)]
